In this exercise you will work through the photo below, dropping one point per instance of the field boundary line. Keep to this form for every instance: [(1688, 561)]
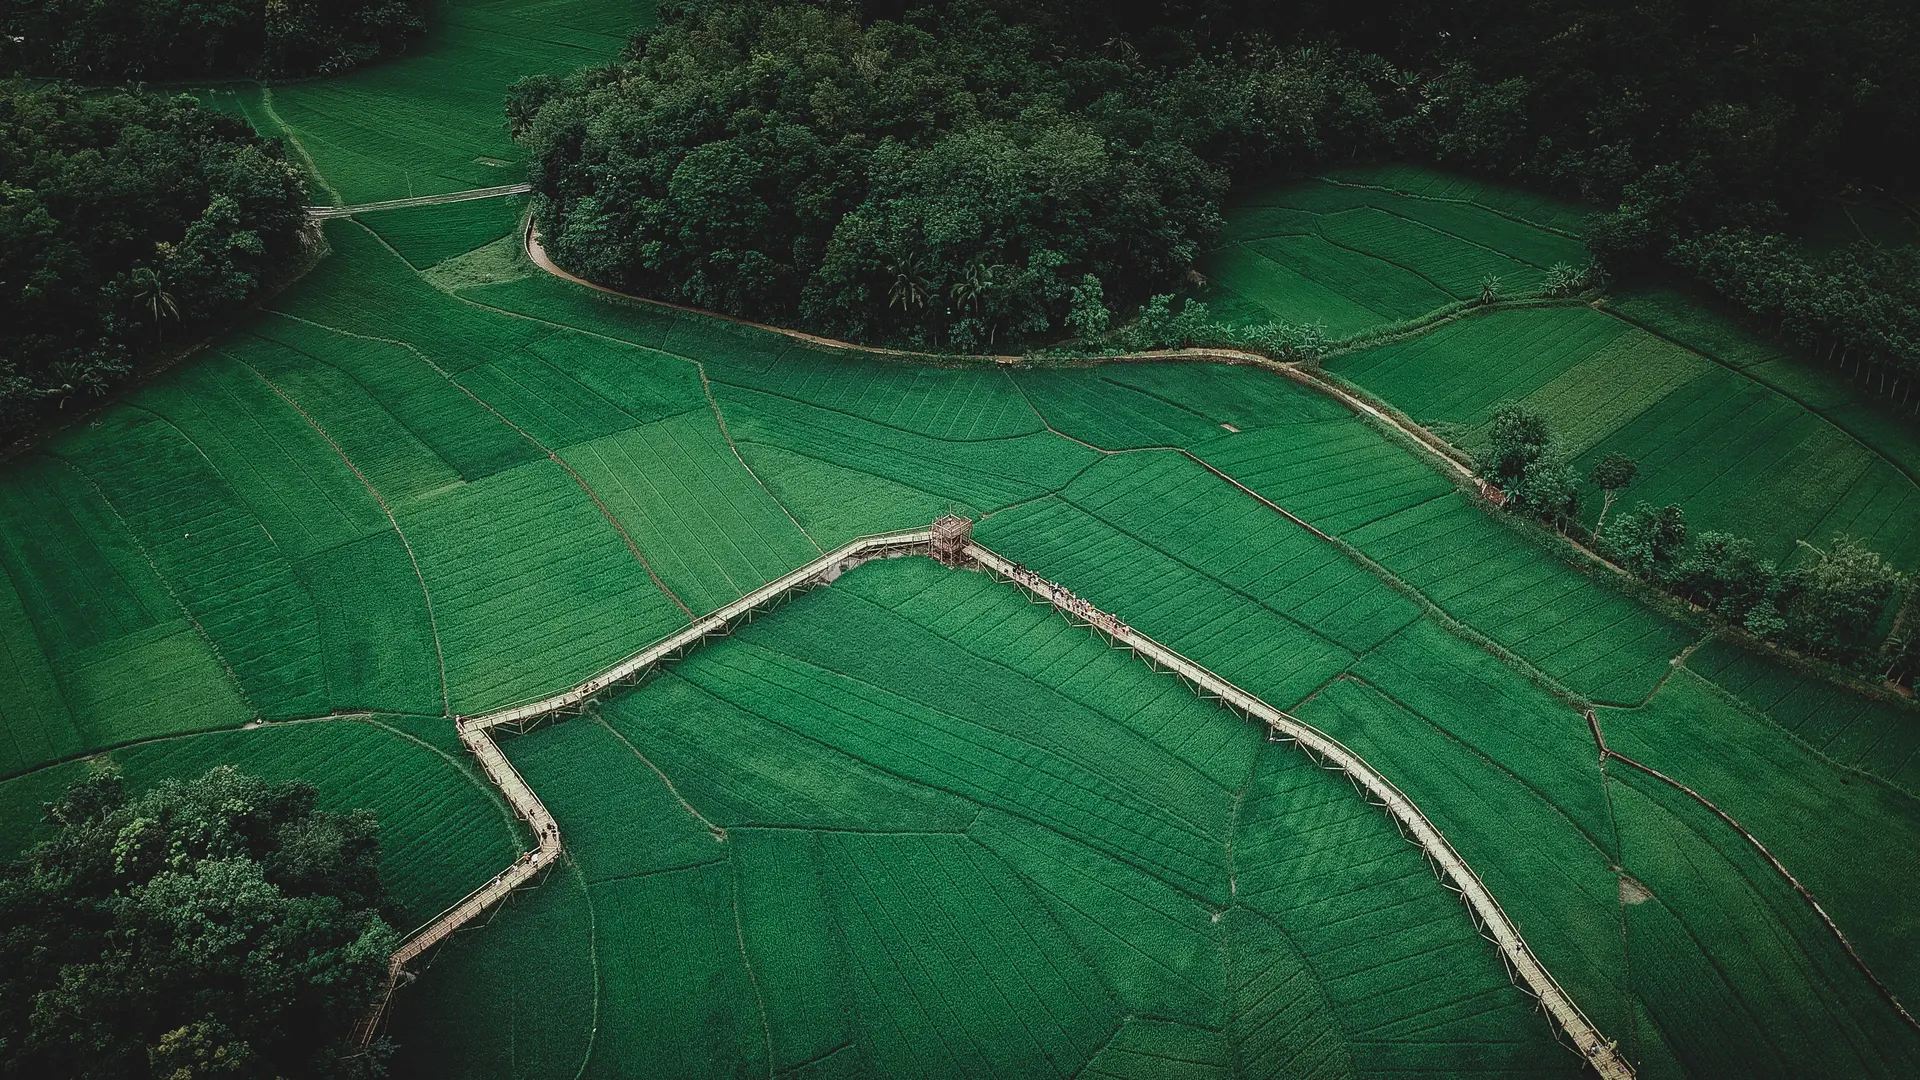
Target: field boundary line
[(293, 139), (219, 654), (552, 455), (1402, 193), (1886, 992), (476, 733), (432, 625), (1615, 313)]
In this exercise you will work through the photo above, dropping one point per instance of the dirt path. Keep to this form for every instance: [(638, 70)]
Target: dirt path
[(324, 212)]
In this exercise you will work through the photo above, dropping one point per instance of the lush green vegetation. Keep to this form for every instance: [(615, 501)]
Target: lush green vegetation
[(430, 123), (943, 181), (219, 926), (446, 403), (138, 40), (937, 177), (1831, 604), (430, 479), (1748, 440), (130, 222), (1706, 135), (914, 822)]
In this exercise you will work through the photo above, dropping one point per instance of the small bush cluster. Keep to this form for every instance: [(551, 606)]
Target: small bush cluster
[(1830, 604), (1193, 326)]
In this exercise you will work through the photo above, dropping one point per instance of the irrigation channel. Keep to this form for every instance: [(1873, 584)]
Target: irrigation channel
[(950, 542)]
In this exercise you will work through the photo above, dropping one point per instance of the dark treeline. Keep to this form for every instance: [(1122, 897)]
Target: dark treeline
[(1832, 602), (863, 168), (129, 221), (961, 178), (214, 927), (1707, 127), (111, 41)]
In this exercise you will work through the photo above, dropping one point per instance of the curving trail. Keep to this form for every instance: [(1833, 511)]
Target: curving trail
[(476, 732)]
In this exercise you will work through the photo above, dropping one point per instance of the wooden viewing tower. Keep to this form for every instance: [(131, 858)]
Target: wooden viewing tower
[(951, 535)]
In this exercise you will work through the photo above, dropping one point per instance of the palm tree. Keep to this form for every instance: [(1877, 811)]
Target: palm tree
[(974, 284), (151, 292), (1489, 288), (910, 285)]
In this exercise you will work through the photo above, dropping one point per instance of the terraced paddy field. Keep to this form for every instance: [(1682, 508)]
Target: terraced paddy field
[(424, 492), (430, 121), (912, 824), (909, 823), (1745, 438)]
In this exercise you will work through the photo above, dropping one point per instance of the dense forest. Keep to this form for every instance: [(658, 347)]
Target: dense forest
[(214, 927), (111, 41), (129, 221), (952, 174)]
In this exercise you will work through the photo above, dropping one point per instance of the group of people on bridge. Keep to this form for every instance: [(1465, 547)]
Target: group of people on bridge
[(1066, 600)]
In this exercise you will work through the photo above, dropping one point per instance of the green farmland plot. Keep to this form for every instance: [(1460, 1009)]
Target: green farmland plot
[(1363, 248), (430, 122), (1733, 973), (427, 239), (1737, 454), (910, 823), (1747, 439), (1803, 808), (913, 825), (442, 830), (1880, 737)]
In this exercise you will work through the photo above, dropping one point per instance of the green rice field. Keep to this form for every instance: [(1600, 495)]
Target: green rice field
[(909, 824), (431, 121), (917, 825), (1745, 438)]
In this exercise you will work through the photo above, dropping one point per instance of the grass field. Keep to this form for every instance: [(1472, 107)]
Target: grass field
[(426, 492), (1745, 438), (1358, 249), (1736, 453), (427, 240)]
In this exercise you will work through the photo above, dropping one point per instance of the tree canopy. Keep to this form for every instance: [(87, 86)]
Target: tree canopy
[(950, 173), (108, 41), (957, 177), (128, 222), (215, 927)]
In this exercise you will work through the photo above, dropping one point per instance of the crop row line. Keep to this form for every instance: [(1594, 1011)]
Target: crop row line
[(1607, 753), (1454, 872), (476, 733)]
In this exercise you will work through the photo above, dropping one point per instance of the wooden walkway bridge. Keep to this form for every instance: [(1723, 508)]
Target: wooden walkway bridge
[(476, 733), (324, 212), (959, 551), (1495, 926)]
